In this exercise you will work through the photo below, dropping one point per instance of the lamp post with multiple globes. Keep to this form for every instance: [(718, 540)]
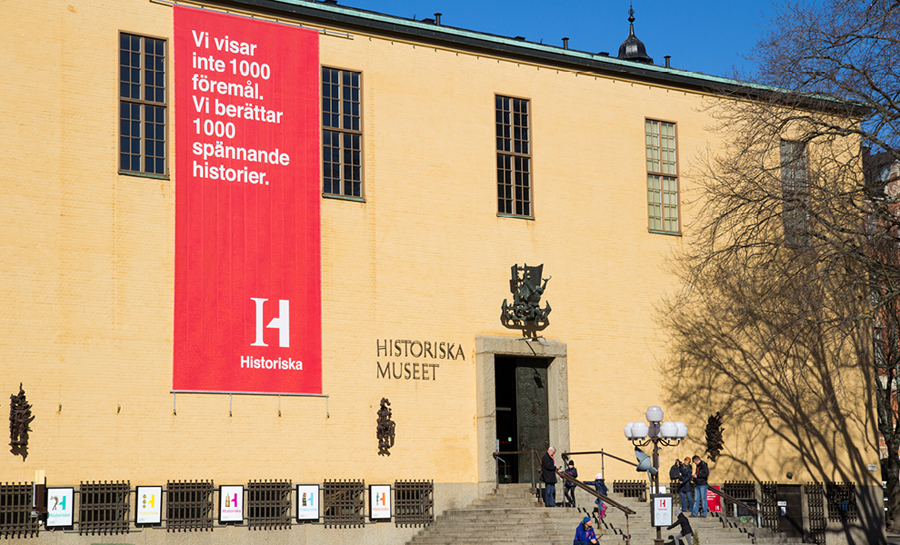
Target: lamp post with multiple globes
[(655, 432)]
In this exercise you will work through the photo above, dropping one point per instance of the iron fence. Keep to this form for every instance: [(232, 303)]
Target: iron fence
[(841, 499), (15, 511), (413, 503), (631, 489), (768, 504), (344, 502), (815, 502), (269, 505), (104, 508), (189, 506), (742, 490)]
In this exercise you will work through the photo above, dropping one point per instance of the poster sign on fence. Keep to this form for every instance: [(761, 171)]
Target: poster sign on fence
[(231, 503), (60, 507), (380, 502), (307, 502), (148, 505)]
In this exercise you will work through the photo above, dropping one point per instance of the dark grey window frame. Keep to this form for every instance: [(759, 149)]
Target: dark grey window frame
[(342, 135), (143, 105), (795, 193), (515, 190)]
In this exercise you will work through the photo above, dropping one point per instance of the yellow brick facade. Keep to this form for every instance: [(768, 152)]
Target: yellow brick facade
[(88, 261)]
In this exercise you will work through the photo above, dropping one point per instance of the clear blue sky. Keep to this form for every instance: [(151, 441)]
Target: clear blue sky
[(706, 36)]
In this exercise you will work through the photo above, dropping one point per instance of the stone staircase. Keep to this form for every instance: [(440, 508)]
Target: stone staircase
[(512, 514)]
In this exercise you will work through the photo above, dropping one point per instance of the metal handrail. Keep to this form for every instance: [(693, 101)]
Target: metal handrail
[(732, 499), (576, 482), (594, 493), (603, 454), (565, 456), (603, 498), (534, 454), (500, 464)]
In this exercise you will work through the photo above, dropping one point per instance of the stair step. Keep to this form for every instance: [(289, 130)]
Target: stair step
[(512, 514)]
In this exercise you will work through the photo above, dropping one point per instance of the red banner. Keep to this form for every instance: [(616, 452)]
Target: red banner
[(247, 280)]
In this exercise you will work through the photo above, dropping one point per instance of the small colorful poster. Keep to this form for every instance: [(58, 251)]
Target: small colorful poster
[(713, 500), (60, 507), (231, 503), (148, 505), (307, 502), (662, 510), (380, 502)]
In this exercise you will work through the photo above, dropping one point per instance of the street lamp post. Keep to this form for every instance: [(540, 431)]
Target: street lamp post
[(658, 433)]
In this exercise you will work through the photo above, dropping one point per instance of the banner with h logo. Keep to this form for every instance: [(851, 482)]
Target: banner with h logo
[(247, 279)]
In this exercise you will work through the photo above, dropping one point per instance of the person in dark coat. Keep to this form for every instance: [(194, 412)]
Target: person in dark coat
[(685, 532), (685, 488), (548, 475), (584, 534), (700, 486), (570, 487)]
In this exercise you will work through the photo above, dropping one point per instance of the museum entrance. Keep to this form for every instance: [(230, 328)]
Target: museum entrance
[(523, 415)]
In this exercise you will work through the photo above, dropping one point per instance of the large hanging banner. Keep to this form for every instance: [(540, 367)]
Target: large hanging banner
[(247, 280)]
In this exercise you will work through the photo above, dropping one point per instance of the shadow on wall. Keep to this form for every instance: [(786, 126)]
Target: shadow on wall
[(790, 378)]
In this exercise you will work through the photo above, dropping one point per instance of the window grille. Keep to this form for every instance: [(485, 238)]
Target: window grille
[(513, 156), (104, 508), (742, 490), (341, 133), (15, 511), (768, 505), (269, 505), (142, 104), (795, 194), (815, 502), (631, 489), (662, 177), (189, 505), (841, 499), (413, 503), (344, 503)]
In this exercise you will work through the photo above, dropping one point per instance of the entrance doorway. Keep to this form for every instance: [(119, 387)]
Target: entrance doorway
[(523, 414), (545, 358), (790, 510)]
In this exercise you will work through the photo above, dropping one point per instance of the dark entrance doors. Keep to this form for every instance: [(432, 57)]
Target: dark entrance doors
[(790, 510), (523, 416)]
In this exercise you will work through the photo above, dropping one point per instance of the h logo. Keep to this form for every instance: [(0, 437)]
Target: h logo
[(282, 323)]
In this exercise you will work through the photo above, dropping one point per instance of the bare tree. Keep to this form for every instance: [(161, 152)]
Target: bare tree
[(797, 259)]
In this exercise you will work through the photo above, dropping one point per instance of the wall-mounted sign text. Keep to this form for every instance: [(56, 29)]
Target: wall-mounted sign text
[(395, 358)]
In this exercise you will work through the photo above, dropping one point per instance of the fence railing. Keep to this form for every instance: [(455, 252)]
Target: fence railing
[(108, 508)]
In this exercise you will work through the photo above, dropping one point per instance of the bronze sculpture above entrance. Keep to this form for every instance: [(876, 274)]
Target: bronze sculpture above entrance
[(525, 312)]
